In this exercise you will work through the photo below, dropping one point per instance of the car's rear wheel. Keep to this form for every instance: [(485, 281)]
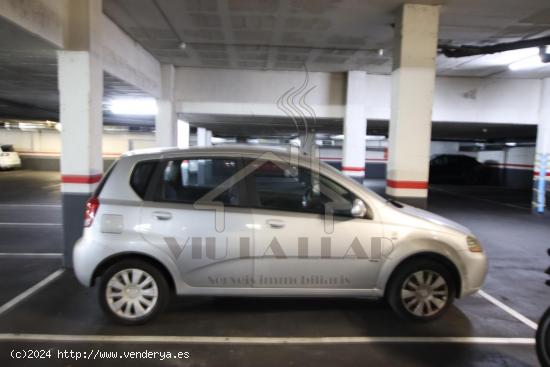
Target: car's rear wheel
[(132, 292), (421, 290)]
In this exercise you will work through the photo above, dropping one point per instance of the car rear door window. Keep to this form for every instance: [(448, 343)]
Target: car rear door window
[(188, 180)]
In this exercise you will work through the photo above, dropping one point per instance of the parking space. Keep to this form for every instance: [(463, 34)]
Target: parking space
[(61, 314)]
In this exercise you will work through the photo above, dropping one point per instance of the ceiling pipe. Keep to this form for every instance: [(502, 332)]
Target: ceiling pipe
[(472, 50)]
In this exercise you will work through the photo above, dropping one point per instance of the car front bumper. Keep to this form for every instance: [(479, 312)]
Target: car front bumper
[(474, 271)]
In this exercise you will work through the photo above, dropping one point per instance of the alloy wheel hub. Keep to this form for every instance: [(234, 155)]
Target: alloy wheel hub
[(424, 293), (132, 293)]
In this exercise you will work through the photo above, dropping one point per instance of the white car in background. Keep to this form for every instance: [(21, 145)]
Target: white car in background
[(9, 157)]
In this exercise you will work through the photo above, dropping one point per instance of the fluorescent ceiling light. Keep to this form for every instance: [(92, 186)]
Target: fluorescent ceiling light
[(527, 58), (375, 137), (517, 55), (216, 140), (134, 106), (511, 143), (532, 62), (367, 137)]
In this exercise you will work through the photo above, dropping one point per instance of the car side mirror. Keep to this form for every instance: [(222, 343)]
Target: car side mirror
[(359, 209)]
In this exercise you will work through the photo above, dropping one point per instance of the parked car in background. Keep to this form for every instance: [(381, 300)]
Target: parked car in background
[(8, 157), (150, 231), (457, 169)]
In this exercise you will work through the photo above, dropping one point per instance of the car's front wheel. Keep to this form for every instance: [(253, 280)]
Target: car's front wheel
[(132, 292), (421, 290), (543, 339)]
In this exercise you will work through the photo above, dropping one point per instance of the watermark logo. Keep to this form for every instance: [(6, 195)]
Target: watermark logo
[(375, 248)]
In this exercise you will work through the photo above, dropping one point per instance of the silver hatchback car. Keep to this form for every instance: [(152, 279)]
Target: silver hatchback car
[(243, 221)]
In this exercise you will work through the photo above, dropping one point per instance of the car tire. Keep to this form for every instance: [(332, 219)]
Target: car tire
[(132, 292), (421, 290), (543, 339)]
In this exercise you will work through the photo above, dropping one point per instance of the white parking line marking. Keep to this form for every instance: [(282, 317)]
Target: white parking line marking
[(31, 254), (508, 309), (260, 340), (7, 224), (29, 292)]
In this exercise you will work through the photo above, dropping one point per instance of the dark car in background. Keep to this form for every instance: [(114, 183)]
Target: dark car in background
[(457, 169)]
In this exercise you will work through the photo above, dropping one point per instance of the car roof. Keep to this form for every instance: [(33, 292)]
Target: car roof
[(236, 149)]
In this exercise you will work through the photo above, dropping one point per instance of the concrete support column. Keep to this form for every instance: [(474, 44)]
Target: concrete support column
[(183, 134), (413, 81), (541, 172), (80, 84), (201, 136), (355, 126), (166, 119), (204, 137)]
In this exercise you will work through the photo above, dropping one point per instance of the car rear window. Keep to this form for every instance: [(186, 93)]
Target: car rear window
[(141, 176)]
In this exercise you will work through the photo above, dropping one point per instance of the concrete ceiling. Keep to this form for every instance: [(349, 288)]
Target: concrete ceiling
[(327, 35), (272, 126), (28, 78)]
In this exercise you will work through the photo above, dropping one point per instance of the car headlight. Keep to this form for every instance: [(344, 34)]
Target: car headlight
[(473, 244)]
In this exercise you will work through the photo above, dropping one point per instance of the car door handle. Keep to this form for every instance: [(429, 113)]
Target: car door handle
[(274, 223), (162, 215)]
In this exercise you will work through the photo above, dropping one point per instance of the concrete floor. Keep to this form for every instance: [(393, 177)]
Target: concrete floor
[(515, 241)]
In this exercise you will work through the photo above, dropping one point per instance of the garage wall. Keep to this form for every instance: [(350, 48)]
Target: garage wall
[(49, 141), (40, 149), (512, 167), (375, 159), (252, 92), (444, 147), (248, 92), (483, 100)]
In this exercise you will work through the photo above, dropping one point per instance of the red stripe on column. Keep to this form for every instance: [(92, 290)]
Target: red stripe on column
[(538, 174), (407, 184), (81, 179), (353, 169)]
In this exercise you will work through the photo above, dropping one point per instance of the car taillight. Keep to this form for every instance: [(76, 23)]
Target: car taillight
[(91, 208)]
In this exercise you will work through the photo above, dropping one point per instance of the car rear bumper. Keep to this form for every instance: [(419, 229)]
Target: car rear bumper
[(85, 260)]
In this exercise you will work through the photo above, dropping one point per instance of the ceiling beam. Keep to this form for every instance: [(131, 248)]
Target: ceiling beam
[(128, 60), (42, 18)]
